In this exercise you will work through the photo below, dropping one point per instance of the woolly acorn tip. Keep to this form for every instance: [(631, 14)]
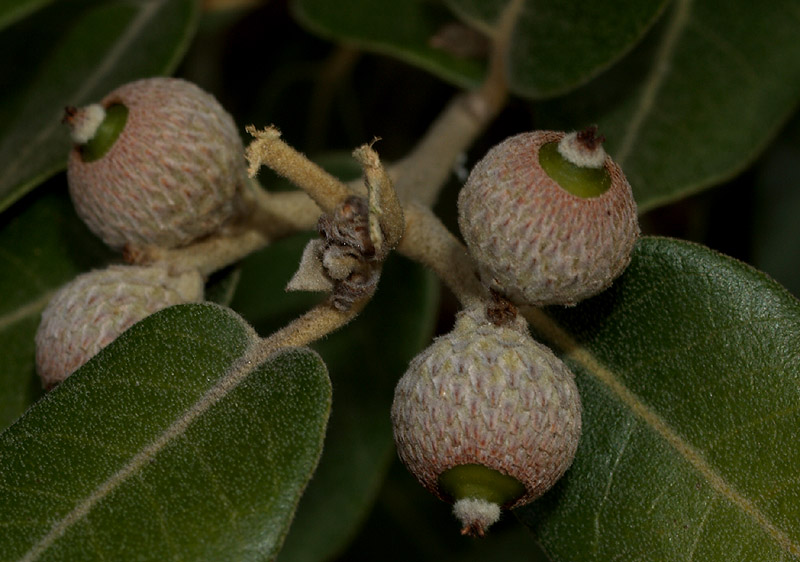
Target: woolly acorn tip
[(476, 515), (83, 122)]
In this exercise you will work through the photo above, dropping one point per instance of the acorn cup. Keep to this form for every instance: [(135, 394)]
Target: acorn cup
[(548, 217), (157, 162), (486, 418)]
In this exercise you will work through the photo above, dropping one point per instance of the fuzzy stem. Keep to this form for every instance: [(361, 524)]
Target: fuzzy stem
[(206, 256), (311, 326), (422, 173), (269, 149), (428, 241), (283, 212), (420, 176), (271, 216)]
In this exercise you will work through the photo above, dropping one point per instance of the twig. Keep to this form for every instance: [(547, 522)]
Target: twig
[(268, 149), (422, 174), (428, 241)]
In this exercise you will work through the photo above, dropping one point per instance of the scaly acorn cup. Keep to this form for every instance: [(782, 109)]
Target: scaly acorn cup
[(486, 418), (549, 217), (89, 313), (157, 162)]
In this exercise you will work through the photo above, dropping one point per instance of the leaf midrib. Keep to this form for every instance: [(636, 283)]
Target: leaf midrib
[(147, 12), (577, 353), (252, 357), (655, 80), (25, 311)]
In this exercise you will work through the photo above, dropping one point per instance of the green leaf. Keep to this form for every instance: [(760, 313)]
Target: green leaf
[(698, 100), (401, 28), (14, 10), (174, 442), (557, 46), (689, 372), (105, 46), (704, 90), (43, 245), (365, 360)]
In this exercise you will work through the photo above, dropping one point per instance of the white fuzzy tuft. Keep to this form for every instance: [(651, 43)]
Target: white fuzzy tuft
[(85, 122), (476, 515), (576, 152)]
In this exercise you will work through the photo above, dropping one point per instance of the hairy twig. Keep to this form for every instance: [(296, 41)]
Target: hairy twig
[(421, 174), (268, 149), (428, 241)]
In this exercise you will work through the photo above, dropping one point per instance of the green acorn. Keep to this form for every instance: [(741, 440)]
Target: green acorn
[(549, 217), (486, 418), (157, 162)]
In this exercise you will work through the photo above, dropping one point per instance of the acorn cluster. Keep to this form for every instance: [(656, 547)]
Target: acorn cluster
[(487, 418), (157, 163)]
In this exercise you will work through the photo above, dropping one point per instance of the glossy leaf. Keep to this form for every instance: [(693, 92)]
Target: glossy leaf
[(401, 28), (698, 100), (558, 45), (104, 46), (694, 103), (689, 372), (43, 245), (365, 360), (175, 442)]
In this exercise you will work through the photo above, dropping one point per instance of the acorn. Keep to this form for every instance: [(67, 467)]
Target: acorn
[(157, 162), (91, 311), (548, 217), (486, 418)]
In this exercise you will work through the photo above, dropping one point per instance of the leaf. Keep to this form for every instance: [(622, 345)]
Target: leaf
[(706, 87), (698, 100), (557, 46), (174, 442), (43, 245), (106, 46), (401, 28), (14, 10), (365, 360), (689, 372)]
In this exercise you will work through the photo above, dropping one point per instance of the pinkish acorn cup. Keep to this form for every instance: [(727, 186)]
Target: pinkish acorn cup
[(157, 162), (486, 418), (549, 217), (89, 313)]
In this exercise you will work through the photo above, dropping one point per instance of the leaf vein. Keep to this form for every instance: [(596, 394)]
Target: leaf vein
[(148, 11), (25, 311), (609, 483), (583, 357), (239, 371), (655, 80), (700, 527)]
